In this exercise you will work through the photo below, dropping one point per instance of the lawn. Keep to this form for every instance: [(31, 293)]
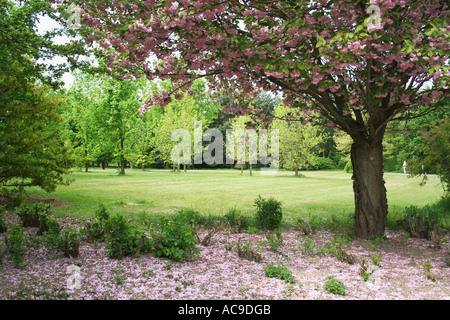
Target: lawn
[(214, 192)]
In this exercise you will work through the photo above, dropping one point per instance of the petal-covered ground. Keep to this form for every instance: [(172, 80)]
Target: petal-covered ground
[(219, 273)]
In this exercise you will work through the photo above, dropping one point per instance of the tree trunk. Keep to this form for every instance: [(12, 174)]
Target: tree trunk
[(368, 186), (296, 171), (123, 163), (86, 167), (184, 167), (250, 166)]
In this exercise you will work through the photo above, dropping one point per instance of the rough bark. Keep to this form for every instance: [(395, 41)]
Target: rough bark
[(369, 189)]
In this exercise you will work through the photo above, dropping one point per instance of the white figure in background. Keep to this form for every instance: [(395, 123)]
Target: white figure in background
[(405, 166)]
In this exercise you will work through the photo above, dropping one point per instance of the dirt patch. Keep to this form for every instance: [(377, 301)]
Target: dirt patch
[(50, 200), (36, 199)]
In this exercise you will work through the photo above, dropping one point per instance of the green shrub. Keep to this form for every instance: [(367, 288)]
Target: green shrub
[(124, 239), (101, 213), (16, 246), (420, 222), (337, 247), (29, 215), (268, 213), (190, 216), (348, 167), (37, 215), (3, 227), (335, 286), (175, 238), (274, 240), (322, 163), (307, 226), (279, 271), (72, 239), (342, 162), (3, 251), (66, 240), (246, 251), (94, 229), (235, 219)]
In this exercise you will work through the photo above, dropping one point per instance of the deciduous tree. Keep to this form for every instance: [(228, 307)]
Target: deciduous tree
[(33, 150), (299, 141)]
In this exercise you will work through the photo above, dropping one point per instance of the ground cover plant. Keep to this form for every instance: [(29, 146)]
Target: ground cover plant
[(223, 256)]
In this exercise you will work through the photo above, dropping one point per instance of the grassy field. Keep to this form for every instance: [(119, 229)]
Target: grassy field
[(142, 193)]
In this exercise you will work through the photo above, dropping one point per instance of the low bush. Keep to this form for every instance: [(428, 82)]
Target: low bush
[(29, 215), (190, 216), (66, 240), (335, 286), (245, 251), (279, 271), (322, 163), (338, 248), (176, 238), (342, 162), (307, 226), (124, 239), (236, 220), (94, 229), (72, 239), (36, 215), (3, 251), (348, 167), (16, 246), (421, 222), (3, 227), (268, 213)]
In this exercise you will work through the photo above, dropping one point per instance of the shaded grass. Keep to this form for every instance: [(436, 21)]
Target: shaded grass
[(152, 193)]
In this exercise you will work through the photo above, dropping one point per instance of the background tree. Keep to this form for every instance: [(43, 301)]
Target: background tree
[(82, 98), (245, 140), (179, 114), (34, 152), (359, 70), (26, 52), (404, 138), (435, 146), (299, 141), (117, 117)]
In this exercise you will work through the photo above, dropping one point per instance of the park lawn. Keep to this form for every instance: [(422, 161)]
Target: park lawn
[(155, 192)]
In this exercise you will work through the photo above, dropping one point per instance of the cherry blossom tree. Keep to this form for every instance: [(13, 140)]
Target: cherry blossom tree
[(359, 64)]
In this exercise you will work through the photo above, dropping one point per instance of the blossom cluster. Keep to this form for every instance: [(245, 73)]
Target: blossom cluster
[(320, 53)]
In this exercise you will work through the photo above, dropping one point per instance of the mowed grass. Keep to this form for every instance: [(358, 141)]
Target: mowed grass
[(161, 192)]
